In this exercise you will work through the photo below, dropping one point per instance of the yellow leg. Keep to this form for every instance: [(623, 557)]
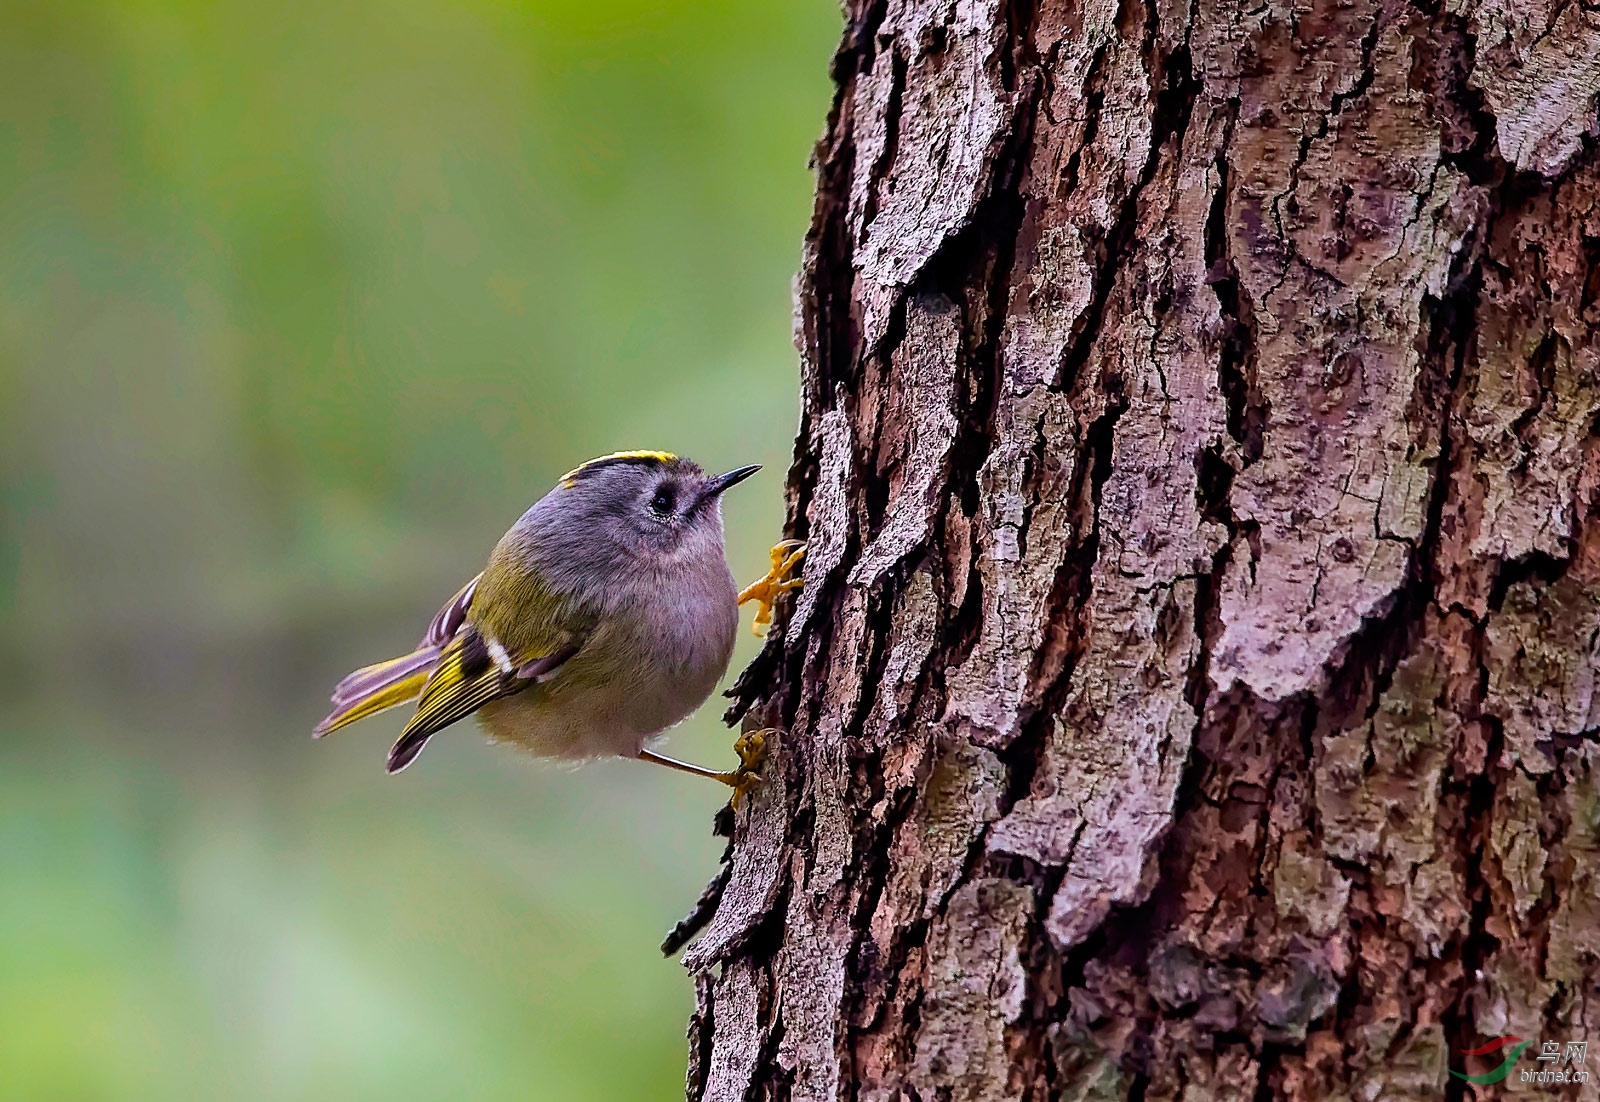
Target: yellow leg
[(752, 750), (785, 557)]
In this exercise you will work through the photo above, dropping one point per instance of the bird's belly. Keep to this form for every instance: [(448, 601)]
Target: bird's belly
[(579, 727)]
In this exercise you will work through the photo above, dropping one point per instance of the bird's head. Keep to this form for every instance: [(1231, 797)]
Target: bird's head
[(653, 502)]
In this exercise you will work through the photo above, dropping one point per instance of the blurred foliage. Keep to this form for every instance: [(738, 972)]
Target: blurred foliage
[(300, 306)]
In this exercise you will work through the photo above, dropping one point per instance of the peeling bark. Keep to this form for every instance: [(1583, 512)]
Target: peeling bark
[(1193, 694)]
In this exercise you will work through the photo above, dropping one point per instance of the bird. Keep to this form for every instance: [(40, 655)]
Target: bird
[(604, 616)]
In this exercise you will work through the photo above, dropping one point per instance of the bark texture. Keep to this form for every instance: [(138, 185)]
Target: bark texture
[(1194, 693)]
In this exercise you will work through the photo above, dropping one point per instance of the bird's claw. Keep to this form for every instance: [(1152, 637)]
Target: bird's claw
[(785, 557), (752, 750)]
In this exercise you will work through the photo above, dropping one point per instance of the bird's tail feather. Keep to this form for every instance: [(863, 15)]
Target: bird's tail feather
[(373, 689)]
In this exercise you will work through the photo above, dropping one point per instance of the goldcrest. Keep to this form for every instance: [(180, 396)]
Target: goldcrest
[(606, 615)]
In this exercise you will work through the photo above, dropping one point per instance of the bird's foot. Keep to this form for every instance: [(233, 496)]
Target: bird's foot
[(752, 750), (785, 557)]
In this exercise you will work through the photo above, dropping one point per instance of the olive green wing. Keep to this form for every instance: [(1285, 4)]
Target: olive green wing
[(474, 669)]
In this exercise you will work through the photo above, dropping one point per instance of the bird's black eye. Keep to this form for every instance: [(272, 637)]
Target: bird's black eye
[(661, 504)]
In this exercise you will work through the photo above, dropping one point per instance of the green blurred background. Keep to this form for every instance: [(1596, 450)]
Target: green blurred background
[(300, 306)]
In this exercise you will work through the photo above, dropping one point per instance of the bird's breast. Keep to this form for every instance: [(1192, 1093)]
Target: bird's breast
[(690, 622)]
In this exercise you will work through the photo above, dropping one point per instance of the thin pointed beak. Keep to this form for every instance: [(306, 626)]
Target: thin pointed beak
[(723, 482)]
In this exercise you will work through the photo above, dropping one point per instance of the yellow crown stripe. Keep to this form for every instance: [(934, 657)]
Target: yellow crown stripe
[(659, 457)]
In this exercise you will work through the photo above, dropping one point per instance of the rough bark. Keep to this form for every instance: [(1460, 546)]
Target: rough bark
[(1193, 694)]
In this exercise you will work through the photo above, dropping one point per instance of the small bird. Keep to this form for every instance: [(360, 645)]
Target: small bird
[(606, 615)]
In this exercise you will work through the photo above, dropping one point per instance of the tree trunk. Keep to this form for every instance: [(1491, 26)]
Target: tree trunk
[(1194, 690)]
